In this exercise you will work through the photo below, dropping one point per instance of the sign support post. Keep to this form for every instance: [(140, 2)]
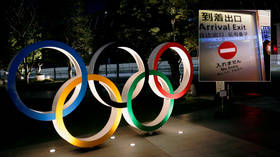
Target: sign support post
[(221, 92)]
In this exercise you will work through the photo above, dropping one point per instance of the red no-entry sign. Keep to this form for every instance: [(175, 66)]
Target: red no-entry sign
[(227, 50)]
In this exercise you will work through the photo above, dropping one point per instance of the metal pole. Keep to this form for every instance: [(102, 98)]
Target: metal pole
[(222, 104)]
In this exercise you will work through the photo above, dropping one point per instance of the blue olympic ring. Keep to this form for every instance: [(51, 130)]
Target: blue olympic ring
[(13, 67)]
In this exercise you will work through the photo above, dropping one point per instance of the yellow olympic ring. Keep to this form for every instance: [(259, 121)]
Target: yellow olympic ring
[(105, 133)]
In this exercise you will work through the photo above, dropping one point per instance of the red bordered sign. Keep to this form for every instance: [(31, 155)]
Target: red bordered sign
[(227, 50)]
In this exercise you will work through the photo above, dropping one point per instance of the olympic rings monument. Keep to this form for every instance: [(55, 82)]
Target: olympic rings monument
[(120, 103)]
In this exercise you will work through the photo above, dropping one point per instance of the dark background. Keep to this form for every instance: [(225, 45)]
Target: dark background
[(108, 25)]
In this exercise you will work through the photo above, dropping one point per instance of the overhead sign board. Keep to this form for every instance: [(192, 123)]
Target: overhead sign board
[(230, 47)]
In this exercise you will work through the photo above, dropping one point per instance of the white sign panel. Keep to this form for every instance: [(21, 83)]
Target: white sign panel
[(229, 46), (220, 85)]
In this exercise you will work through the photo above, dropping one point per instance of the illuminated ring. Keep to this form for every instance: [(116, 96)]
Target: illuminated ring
[(78, 94), (187, 74), (165, 111), (102, 135), (113, 102)]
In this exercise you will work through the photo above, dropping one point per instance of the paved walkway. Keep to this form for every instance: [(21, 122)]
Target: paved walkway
[(203, 135)]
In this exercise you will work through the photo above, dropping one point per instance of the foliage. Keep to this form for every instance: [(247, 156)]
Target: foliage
[(147, 24), (23, 31), (158, 21), (77, 32), (141, 25)]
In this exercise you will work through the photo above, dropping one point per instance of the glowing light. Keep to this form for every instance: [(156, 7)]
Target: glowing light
[(132, 144), (52, 150), (180, 132), (275, 48), (253, 94), (113, 137)]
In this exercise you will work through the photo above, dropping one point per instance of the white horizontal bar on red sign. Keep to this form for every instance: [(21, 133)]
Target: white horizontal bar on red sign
[(227, 50)]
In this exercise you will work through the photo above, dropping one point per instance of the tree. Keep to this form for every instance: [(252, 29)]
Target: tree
[(24, 30), (77, 32), (184, 30), (146, 24)]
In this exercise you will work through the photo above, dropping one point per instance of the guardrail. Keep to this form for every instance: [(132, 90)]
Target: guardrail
[(109, 70)]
